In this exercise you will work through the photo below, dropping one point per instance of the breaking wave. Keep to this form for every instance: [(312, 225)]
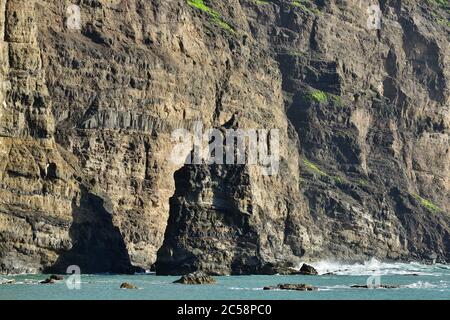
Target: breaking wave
[(382, 268), (427, 285)]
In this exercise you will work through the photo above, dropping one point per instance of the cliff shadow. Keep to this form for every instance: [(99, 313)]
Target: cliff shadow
[(97, 245)]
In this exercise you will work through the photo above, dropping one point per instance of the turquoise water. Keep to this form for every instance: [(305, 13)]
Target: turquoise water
[(416, 282)]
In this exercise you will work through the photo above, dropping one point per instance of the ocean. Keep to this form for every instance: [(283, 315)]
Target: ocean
[(416, 282)]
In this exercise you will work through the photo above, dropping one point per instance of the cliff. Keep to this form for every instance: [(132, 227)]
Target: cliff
[(86, 117)]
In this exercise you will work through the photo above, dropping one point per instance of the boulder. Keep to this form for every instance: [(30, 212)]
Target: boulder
[(295, 287), (7, 281), (127, 285), (281, 269), (196, 278), (48, 281), (308, 270), (52, 279)]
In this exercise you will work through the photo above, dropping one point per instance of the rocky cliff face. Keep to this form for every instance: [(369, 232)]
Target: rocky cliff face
[(86, 118)]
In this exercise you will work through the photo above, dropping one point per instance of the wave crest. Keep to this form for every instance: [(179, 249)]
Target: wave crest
[(374, 266)]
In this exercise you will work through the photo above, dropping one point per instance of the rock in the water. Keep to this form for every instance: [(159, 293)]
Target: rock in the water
[(52, 279), (281, 269), (8, 281), (296, 287), (48, 281), (127, 285), (196, 278), (308, 270)]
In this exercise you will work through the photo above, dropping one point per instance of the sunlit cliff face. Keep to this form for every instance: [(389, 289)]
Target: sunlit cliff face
[(91, 94)]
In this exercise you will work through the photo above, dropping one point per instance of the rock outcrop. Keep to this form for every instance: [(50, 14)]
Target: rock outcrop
[(56, 277), (48, 281), (280, 269), (293, 287), (52, 279), (86, 117), (308, 270), (197, 277), (128, 286), (7, 281)]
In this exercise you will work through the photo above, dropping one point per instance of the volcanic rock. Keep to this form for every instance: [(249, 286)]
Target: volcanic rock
[(196, 278), (295, 287)]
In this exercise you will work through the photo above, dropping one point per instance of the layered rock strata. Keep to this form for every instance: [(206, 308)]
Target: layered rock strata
[(86, 117)]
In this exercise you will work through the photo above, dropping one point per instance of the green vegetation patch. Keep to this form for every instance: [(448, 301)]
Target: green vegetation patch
[(430, 206), (441, 3), (262, 2), (362, 182), (315, 168), (444, 22), (316, 96), (297, 54), (438, 15), (305, 6), (199, 4), (337, 100), (320, 96), (215, 16)]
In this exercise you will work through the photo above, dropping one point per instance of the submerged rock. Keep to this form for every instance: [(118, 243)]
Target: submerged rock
[(295, 287), (308, 270), (196, 278), (127, 285)]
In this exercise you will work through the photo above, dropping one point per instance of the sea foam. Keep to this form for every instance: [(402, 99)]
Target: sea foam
[(374, 266)]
